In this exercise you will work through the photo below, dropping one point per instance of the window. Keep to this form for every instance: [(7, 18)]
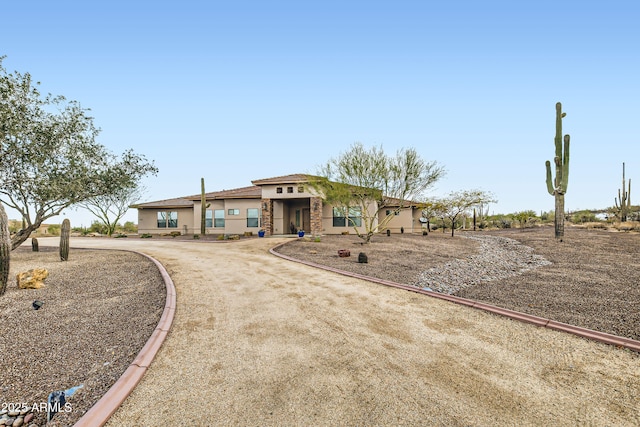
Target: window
[(289, 189), (301, 189), (354, 219), (218, 218), (208, 220), (392, 212), (162, 220), (252, 217), (233, 212), (167, 219), (339, 219), (279, 190), (355, 216), (173, 219), (298, 218)]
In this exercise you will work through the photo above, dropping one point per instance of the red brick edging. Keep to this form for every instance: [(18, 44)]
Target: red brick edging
[(104, 408), (511, 314)]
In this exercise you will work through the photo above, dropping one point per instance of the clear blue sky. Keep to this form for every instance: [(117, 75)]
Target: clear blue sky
[(239, 90)]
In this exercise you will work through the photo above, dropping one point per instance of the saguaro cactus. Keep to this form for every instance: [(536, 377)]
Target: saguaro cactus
[(623, 202), (558, 187), (203, 208), (5, 250), (65, 231)]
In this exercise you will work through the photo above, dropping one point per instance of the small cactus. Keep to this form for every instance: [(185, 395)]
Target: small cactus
[(65, 231), (34, 245), (362, 258), (5, 250)]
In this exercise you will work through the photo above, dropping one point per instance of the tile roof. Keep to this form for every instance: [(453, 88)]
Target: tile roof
[(251, 192), (285, 179), (179, 202)]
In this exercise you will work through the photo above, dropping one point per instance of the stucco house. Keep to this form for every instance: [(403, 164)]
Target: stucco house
[(279, 206)]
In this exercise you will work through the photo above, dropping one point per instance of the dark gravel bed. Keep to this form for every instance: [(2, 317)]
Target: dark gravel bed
[(593, 280), (100, 307)]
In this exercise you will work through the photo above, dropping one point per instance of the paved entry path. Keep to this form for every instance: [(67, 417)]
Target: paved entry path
[(261, 341)]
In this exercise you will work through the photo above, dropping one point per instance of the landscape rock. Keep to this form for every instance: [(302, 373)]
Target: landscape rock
[(32, 279), (343, 253), (498, 258)]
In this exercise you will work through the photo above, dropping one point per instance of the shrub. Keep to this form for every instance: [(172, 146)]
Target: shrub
[(53, 229)]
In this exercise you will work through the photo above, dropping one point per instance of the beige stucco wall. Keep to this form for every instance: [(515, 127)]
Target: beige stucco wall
[(327, 221), (148, 221), (270, 191), (233, 224), (404, 219)]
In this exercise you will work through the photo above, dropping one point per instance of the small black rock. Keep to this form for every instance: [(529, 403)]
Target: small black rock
[(37, 304), (362, 258)]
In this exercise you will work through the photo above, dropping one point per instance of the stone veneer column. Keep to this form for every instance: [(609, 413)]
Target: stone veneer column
[(267, 216), (316, 216)]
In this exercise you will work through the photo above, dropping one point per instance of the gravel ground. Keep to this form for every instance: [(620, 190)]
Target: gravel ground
[(591, 279), (100, 307), (285, 344)]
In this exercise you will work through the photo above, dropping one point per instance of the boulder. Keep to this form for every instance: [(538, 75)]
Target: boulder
[(32, 279), (343, 253)]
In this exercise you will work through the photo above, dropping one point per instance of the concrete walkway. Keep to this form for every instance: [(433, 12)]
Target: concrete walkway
[(258, 340)]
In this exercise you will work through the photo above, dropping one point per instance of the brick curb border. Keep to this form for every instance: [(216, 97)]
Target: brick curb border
[(511, 314), (99, 414)]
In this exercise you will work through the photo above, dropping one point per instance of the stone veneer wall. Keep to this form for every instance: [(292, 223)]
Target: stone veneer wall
[(267, 216), (316, 216)]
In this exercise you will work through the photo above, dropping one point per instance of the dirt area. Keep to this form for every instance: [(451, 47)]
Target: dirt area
[(99, 309), (259, 340), (593, 280)]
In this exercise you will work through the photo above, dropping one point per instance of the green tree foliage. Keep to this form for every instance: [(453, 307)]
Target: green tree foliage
[(458, 203), (375, 182), (110, 208), (49, 158), (580, 217), (130, 227), (525, 218), (53, 229)]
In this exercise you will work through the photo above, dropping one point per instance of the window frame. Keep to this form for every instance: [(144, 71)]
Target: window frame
[(251, 220), (218, 221)]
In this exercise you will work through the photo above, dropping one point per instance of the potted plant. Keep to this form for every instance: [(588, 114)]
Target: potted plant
[(300, 233), (260, 233)]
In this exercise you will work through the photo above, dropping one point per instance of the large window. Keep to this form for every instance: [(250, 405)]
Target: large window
[(253, 217), (208, 219), (339, 218), (355, 217), (167, 219), (218, 218)]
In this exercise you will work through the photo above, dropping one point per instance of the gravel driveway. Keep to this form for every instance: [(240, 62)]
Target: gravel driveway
[(258, 340)]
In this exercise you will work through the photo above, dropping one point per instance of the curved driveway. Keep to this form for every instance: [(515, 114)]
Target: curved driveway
[(258, 340)]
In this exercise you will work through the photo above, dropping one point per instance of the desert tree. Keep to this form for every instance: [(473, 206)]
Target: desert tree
[(111, 206), (367, 181), (49, 157), (431, 209), (458, 203)]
